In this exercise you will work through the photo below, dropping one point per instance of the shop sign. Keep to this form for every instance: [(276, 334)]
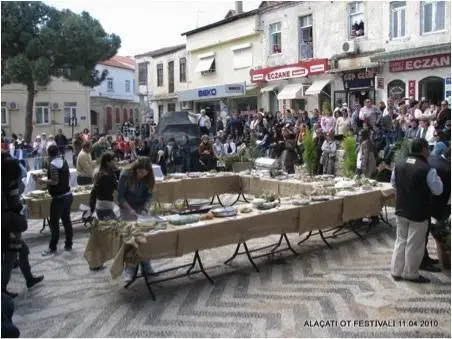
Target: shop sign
[(379, 82), (298, 70), (212, 92), (396, 89), (412, 88), (414, 64), (359, 79), (447, 89)]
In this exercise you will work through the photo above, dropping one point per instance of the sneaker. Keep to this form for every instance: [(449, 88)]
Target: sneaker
[(419, 280), (35, 280), (48, 252), (396, 278), (68, 248)]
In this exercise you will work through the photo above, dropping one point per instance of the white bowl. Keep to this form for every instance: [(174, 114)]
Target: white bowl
[(257, 202)]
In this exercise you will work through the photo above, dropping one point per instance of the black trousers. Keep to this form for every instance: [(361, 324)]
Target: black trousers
[(9, 259), (84, 181), (60, 208)]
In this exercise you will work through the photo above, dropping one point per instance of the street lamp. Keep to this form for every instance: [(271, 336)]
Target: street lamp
[(73, 122)]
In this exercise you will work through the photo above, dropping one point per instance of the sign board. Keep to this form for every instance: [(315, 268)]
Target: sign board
[(447, 89), (213, 92), (298, 70), (379, 82), (362, 78), (412, 88), (419, 63), (396, 90)]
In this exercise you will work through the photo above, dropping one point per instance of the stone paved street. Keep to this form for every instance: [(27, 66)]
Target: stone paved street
[(350, 282)]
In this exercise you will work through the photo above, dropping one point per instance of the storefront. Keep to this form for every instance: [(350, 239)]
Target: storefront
[(420, 73), (216, 100), (294, 86)]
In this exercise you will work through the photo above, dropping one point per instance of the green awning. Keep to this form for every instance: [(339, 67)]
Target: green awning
[(411, 53)]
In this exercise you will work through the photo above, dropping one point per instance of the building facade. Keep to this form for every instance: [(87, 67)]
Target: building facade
[(405, 54), (114, 101), (53, 107), (161, 75), (220, 57)]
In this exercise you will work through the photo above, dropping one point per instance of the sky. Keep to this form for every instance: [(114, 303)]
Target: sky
[(149, 25)]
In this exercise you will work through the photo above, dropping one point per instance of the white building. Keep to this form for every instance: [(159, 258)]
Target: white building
[(298, 37), (220, 57), (114, 101), (161, 75)]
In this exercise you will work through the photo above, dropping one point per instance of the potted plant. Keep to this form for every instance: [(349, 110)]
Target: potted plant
[(309, 153), (350, 156), (441, 234)]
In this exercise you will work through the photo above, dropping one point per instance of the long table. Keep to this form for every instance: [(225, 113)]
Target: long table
[(176, 241)]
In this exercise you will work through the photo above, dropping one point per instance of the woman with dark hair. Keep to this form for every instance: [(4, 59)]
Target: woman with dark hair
[(134, 197), (105, 184), (206, 156), (441, 143), (366, 162)]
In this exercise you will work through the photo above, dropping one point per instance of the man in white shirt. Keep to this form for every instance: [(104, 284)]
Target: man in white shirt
[(204, 123), (426, 131), (229, 146), (369, 114)]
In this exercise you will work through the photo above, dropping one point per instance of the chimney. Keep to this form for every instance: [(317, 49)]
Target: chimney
[(238, 7)]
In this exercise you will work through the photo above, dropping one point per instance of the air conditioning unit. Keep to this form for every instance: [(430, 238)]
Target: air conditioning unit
[(349, 46), (12, 106), (55, 106)]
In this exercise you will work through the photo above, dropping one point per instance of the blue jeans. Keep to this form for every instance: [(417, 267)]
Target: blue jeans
[(60, 208)]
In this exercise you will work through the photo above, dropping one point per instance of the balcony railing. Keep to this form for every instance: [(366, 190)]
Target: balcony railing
[(305, 51)]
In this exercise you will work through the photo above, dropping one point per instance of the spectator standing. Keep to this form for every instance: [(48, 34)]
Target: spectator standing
[(85, 165), (185, 152), (443, 115), (61, 141), (415, 182), (204, 123)]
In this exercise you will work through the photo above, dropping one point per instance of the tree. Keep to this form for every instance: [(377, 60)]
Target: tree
[(40, 42)]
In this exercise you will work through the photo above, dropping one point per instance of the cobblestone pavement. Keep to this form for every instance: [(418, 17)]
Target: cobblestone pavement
[(351, 282)]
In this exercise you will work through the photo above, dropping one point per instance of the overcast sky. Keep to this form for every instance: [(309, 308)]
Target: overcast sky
[(148, 25)]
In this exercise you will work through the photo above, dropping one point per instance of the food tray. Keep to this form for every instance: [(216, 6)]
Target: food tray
[(321, 197), (300, 202), (224, 212)]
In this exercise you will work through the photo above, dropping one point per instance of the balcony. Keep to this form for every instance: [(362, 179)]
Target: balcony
[(305, 51)]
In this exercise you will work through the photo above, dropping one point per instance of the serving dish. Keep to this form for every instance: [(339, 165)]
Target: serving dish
[(321, 197), (257, 202), (224, 212), (300, 202), (267, 206)]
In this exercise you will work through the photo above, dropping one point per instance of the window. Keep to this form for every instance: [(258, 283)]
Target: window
[(143, 73), (110, 84), (160, 110), (171, 77), (127, 86), (42, 113), (160, 75), (398, 19), (243, 56), (356, 18), (433, 16), (171, 107), (182, 70), (275, 38), (4, 114), (306, 43), (70, 112)]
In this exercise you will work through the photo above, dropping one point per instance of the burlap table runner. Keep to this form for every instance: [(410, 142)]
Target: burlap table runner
[(294, 188), (361, 205), (166, 192), (388, 195), (162, 244), (40, 209), (204, 188), (245, 184), (317, 216), (260, 186), (102, 246)]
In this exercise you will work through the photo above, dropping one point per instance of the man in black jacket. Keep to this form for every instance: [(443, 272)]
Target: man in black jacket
[(440, 209), (60, 206), (61, 141), (13, 224), (415, 182)]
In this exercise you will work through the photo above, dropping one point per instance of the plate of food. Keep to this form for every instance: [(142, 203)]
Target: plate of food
[(321, 197), (246, 210), (267, 206), (300, 202)]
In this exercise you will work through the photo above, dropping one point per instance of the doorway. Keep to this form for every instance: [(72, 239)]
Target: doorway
[(432, 89), (359, 96)]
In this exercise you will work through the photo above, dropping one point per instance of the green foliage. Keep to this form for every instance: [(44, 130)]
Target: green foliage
[(309, 153), (401, 150), (326, 107), (40, 42), (350, 156)]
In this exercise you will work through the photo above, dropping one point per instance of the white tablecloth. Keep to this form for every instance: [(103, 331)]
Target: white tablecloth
[(30, 183)]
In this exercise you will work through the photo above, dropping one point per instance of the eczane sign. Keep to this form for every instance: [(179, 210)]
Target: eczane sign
[(298, 70), (420, 63)]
